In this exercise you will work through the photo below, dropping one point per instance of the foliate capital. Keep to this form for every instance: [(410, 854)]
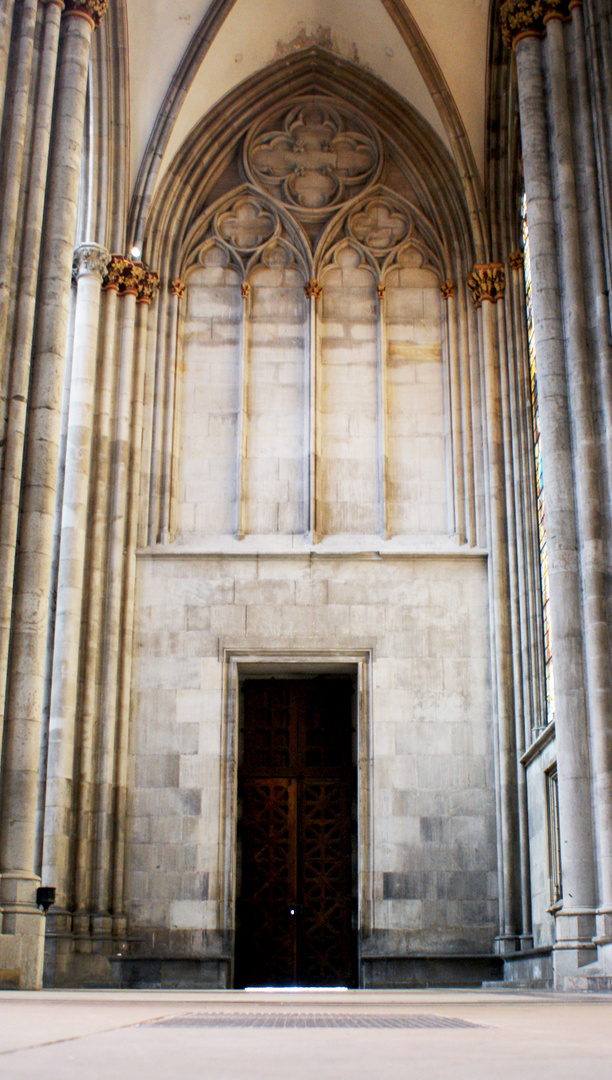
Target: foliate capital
[(124, 276), (447, 289), (178, 288), (313, 288), (90, 259), (516, 260), (148, 287), (487, 282), (93, 10), (528, 18)]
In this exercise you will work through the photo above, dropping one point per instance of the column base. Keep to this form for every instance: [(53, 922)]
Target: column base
[(22, 940), (574, 950), (507, 943)]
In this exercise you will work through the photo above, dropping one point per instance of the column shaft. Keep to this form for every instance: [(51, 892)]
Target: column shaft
[(24, 327), (91, 264), (565, 603)]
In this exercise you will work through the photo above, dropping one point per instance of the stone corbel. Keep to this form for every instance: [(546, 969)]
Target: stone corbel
[(528, 18), (447, 289), (92, 10), (487, 282)]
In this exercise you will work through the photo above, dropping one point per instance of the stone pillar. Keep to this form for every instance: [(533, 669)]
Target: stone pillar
[(487, 284), (523, 27), (23, 330), (25, 689), (177, 292), (146, 292), (447, 292), (313, 290), (6, 26), (91, 261), (15, 154), (94, 607), (107, 764)]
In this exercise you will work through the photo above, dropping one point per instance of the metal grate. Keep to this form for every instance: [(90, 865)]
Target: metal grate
[(309, 1020)]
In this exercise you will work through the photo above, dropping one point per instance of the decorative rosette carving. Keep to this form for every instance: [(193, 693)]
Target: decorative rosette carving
[(447, 289), (95, 10), (520, 18), (487, 282), (148, 287)]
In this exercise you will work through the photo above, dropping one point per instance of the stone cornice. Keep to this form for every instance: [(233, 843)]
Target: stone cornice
[(147, 287), (91, 259), (528, 18), (92, 10), (487, 282)]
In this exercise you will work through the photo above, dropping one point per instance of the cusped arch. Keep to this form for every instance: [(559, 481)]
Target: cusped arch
[(417, 151)]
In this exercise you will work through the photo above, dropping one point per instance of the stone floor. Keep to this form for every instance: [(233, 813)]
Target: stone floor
[(361, 1035)]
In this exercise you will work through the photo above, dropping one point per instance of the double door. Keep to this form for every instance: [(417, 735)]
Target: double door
[(296, 786)]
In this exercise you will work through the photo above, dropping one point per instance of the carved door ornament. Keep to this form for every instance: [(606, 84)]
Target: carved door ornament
[(313, 157)]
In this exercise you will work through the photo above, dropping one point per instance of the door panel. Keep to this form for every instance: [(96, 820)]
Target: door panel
[(296, 786)]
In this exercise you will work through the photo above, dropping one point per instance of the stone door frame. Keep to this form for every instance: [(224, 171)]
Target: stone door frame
[(240, 662)]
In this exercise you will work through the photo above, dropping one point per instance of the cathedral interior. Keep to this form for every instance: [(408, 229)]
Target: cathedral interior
[(306, 493)]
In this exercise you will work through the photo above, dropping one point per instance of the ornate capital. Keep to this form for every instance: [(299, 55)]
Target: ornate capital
[(178, 288), (92, 10), (380, 291), (313, 288), (147, 287), (124, 276), (528, 18), (447, 289), (516, 260), (487, 282), (245, 290), (90, 259)]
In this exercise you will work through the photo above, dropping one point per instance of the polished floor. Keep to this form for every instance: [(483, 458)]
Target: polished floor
[(354, 1035)]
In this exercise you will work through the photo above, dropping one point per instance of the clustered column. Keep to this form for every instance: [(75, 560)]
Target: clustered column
[(564, 248), (22, 925)]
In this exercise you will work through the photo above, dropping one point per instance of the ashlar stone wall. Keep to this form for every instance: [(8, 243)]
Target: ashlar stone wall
[(430, 794)]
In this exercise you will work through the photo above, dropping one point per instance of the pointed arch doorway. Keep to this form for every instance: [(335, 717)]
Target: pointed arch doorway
[(297, 791)]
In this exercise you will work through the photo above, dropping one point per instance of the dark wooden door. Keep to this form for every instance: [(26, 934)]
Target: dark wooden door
[(296, 788)]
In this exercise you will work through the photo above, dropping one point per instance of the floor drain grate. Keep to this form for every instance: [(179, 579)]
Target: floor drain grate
[(309, 1020)]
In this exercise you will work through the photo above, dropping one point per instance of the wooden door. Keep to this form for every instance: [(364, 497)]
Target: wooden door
[(296, 787)]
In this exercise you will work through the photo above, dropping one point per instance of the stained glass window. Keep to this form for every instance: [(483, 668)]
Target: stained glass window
[(550, 688)]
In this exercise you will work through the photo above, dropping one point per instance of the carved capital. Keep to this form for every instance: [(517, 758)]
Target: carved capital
[(313, 288), (245, 290), (124, 276), (147, 287), (92, 10), (447, 289), (178, 288), (487, 282), (380, 291), (516, 260), (528, 18), (90, 259)]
